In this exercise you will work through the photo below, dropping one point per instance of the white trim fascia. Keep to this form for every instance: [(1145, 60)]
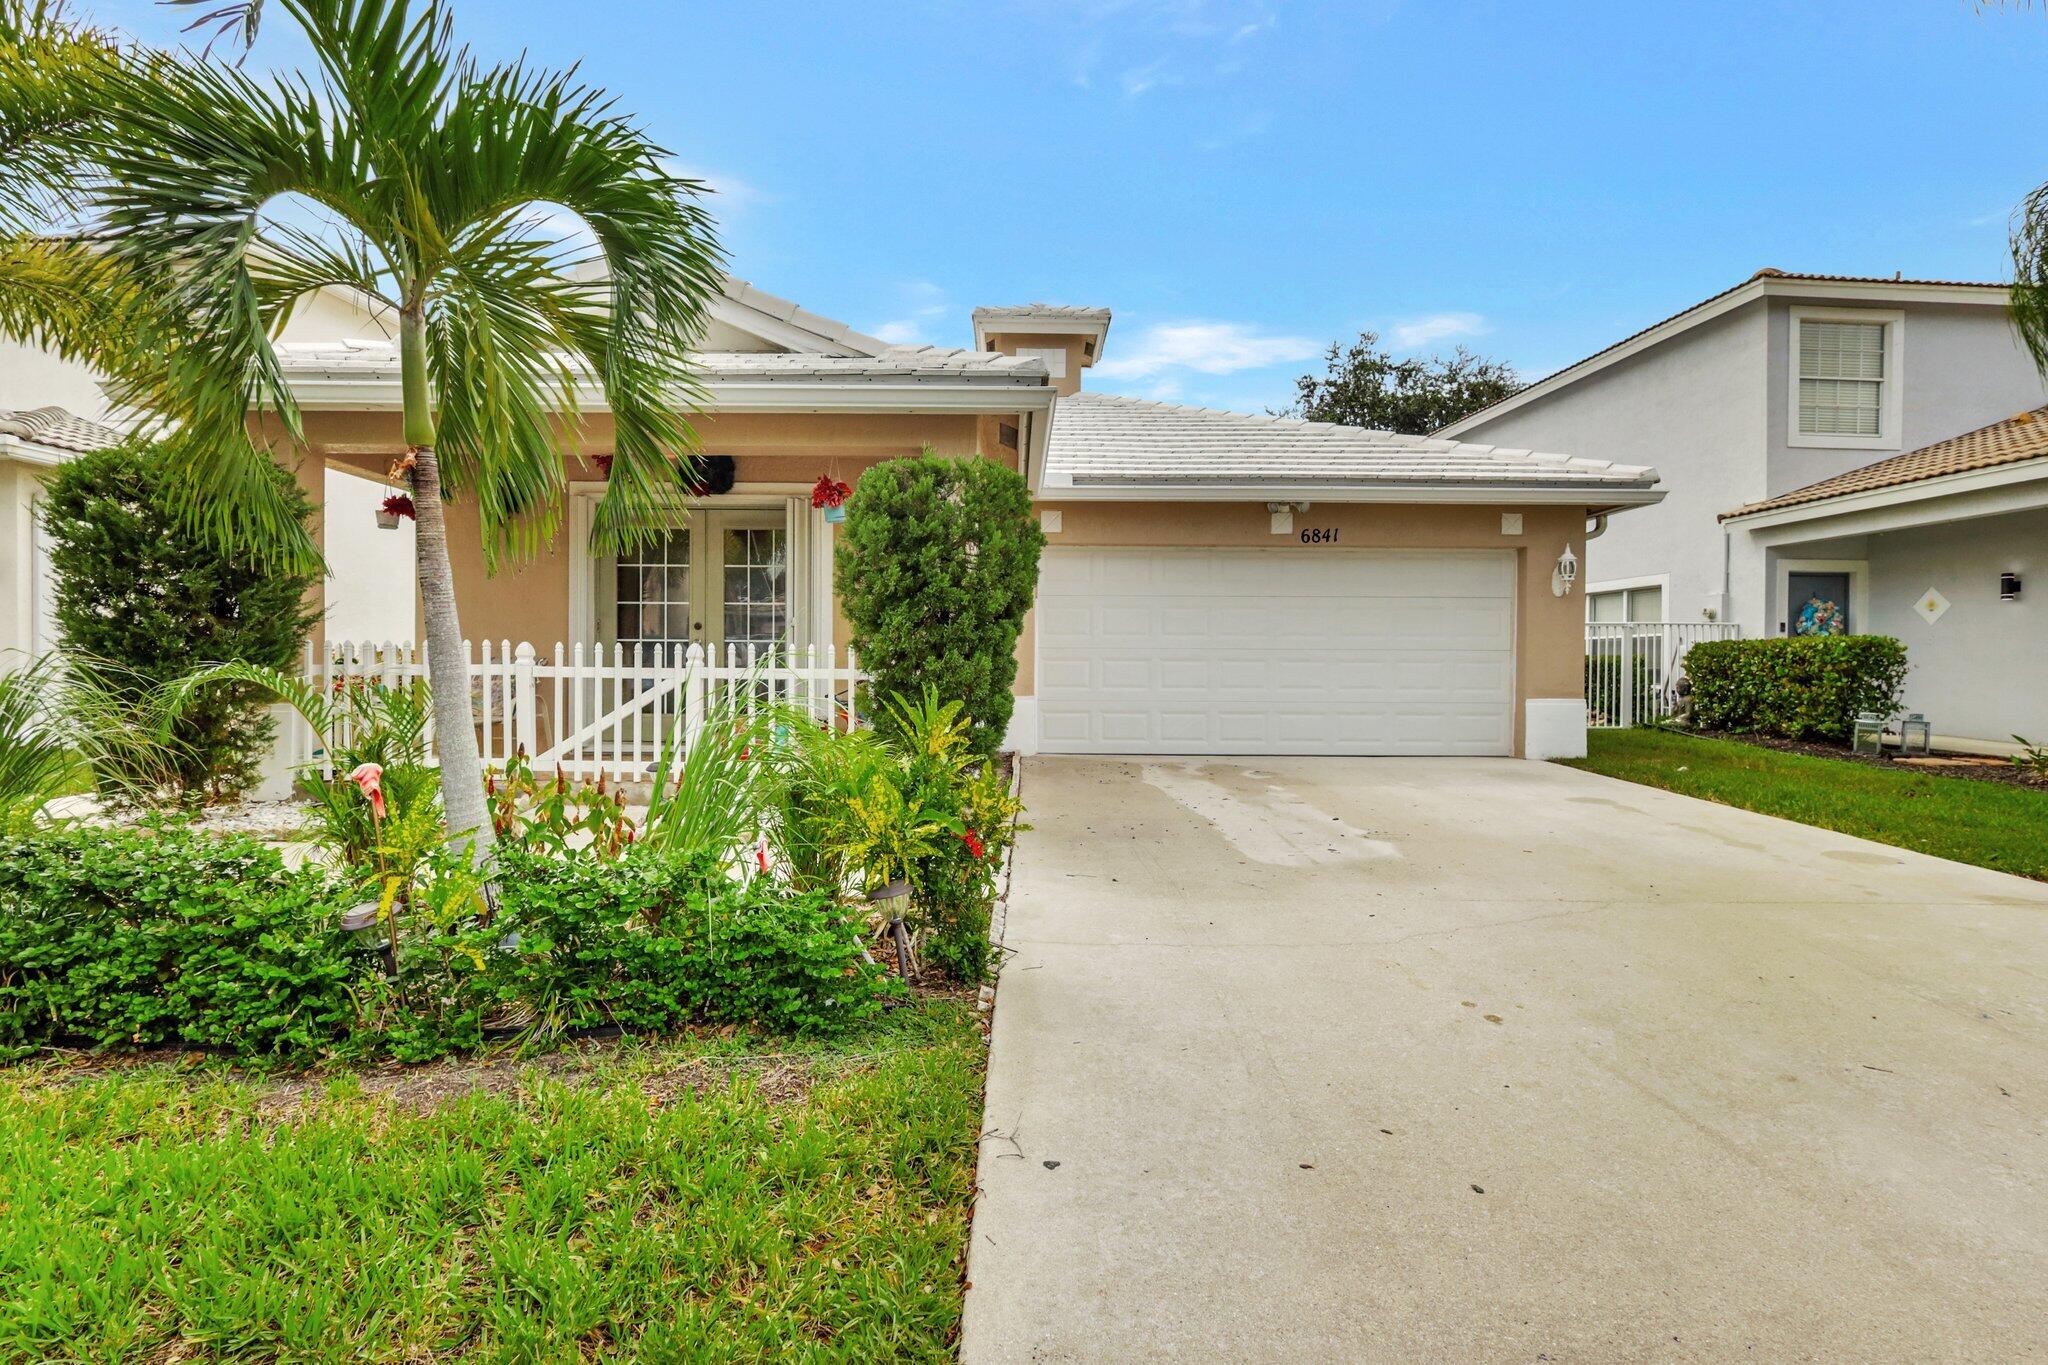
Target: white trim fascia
[(327, 394), (1896, 495), (1891, 386), (785, 332), (1883, 291), (1047, 327), (1651, 580), (31, 452), (1569, 495), (1858, 571)]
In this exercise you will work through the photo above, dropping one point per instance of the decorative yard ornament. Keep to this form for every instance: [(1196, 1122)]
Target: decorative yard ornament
[(370, 778), (1565, 574)]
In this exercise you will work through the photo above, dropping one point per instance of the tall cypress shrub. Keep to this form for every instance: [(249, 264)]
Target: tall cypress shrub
[(140, 590), (938, 562)]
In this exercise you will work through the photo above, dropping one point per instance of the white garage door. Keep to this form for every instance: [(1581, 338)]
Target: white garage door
[(1276, 652)]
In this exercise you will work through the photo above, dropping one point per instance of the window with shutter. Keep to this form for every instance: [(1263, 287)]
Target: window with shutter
[(1841, 378)]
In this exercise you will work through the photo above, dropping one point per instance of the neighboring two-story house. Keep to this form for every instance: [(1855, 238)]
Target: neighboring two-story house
[(1820, 440)]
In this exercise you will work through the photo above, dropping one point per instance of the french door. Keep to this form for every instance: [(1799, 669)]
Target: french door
[(720, 580)]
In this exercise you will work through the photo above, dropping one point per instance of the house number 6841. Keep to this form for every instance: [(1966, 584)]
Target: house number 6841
[(1319, 535)]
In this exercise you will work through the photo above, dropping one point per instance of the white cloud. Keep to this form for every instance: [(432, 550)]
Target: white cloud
[(924, 303), (1203, 348), (1416, 333), (1150, 76)]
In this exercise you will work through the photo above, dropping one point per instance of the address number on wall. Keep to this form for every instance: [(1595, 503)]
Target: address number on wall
[(1319, 535)]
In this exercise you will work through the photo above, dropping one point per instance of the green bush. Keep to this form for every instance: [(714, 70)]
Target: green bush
[(137, 587), (938, 562), (1801, 687), (166, 936), (638, 943)]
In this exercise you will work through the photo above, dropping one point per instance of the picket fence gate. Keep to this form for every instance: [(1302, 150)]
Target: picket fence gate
[(602, 710)]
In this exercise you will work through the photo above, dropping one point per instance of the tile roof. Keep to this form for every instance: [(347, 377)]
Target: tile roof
[(2016, 439), (376, 358), (1050, 312), (774, 305), (1098, 440), (1767, 273), (58, 429)]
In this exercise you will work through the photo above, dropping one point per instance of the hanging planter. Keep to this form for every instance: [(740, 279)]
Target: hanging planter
[(394, 507), (831, 495)]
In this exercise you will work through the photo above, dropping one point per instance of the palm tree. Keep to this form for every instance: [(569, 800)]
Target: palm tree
[(210, 202)]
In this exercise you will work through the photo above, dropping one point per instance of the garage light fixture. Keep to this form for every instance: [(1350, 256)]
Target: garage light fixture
[(1565, 574), (1283, 516)]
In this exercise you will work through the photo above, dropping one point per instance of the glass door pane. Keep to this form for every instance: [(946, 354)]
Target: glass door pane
[(651, 596), (753, 581)]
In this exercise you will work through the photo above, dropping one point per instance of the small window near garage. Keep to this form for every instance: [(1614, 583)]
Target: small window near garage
[(1626, 604), (1845, 379)]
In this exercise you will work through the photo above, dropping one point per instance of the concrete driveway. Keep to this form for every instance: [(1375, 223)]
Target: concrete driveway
[(1387, 1059)]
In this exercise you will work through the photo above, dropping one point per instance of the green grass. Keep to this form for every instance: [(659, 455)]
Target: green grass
[(1990, 824), (617, 1215)]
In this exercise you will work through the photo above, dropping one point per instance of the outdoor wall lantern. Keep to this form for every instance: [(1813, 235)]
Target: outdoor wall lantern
[(2008, 586), (1566, 573)]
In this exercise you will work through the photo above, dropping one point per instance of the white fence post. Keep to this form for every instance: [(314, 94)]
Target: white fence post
[(1628, 677), (696, 679), (526, 727)]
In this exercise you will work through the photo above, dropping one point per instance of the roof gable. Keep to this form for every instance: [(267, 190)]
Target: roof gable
[(1765, 283)]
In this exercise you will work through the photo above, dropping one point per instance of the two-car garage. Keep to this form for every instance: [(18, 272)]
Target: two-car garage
[(1209, 650)]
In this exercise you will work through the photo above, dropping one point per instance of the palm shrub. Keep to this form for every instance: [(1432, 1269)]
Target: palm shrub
[(431, 174), (140, 595), (937, 564), (63, 729)]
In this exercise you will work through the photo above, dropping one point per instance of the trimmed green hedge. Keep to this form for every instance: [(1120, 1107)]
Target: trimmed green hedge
[(1803, 687)]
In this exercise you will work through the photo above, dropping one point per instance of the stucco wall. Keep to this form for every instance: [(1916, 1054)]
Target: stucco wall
[(1981, 671), (1961, 367), (1693, 408), (1549, 633)]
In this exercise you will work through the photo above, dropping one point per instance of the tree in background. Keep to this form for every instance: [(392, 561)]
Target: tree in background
[(1365, 386), (406, 174), (938, 562), (138, 589)]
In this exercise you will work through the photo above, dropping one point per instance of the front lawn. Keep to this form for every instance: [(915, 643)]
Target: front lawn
[(1990, 824), (719, 1197)]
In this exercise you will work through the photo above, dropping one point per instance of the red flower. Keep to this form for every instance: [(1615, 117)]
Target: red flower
[(604, 465), (400, 505), (973, 842), (761, 854), (829, 492)]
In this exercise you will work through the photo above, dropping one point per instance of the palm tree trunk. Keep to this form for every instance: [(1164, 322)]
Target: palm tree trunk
[(462, 773), (462, 768)]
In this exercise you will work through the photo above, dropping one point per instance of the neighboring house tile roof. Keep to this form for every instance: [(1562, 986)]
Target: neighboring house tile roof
[(372, 358), (1099, 440), (58, 429), (1705, 306), (2012, 441)]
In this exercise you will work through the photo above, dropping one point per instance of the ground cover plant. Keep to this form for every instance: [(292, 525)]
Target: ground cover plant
[(1995, 825), (723, 1196)]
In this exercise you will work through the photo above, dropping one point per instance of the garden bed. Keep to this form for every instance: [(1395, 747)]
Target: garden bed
[(724, 1195)]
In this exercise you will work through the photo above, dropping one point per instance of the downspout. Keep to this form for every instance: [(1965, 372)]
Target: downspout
[(1596, 526)]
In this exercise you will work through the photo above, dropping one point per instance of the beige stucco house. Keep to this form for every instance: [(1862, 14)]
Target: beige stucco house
[(1214, 582)]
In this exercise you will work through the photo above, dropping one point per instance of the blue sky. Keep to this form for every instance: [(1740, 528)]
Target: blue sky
[(1245, 182)]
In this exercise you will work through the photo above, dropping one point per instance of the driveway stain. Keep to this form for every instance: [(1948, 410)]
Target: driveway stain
[(1275, 827), (1853, 855)]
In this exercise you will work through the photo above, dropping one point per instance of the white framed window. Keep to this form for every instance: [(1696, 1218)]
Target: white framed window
[(1631, 600), (1845, 378)]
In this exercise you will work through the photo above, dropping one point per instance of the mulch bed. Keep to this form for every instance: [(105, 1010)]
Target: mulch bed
[(1998, 770)]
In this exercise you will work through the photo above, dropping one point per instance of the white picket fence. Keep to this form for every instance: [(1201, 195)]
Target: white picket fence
[(597, 710), (1633, 667)]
